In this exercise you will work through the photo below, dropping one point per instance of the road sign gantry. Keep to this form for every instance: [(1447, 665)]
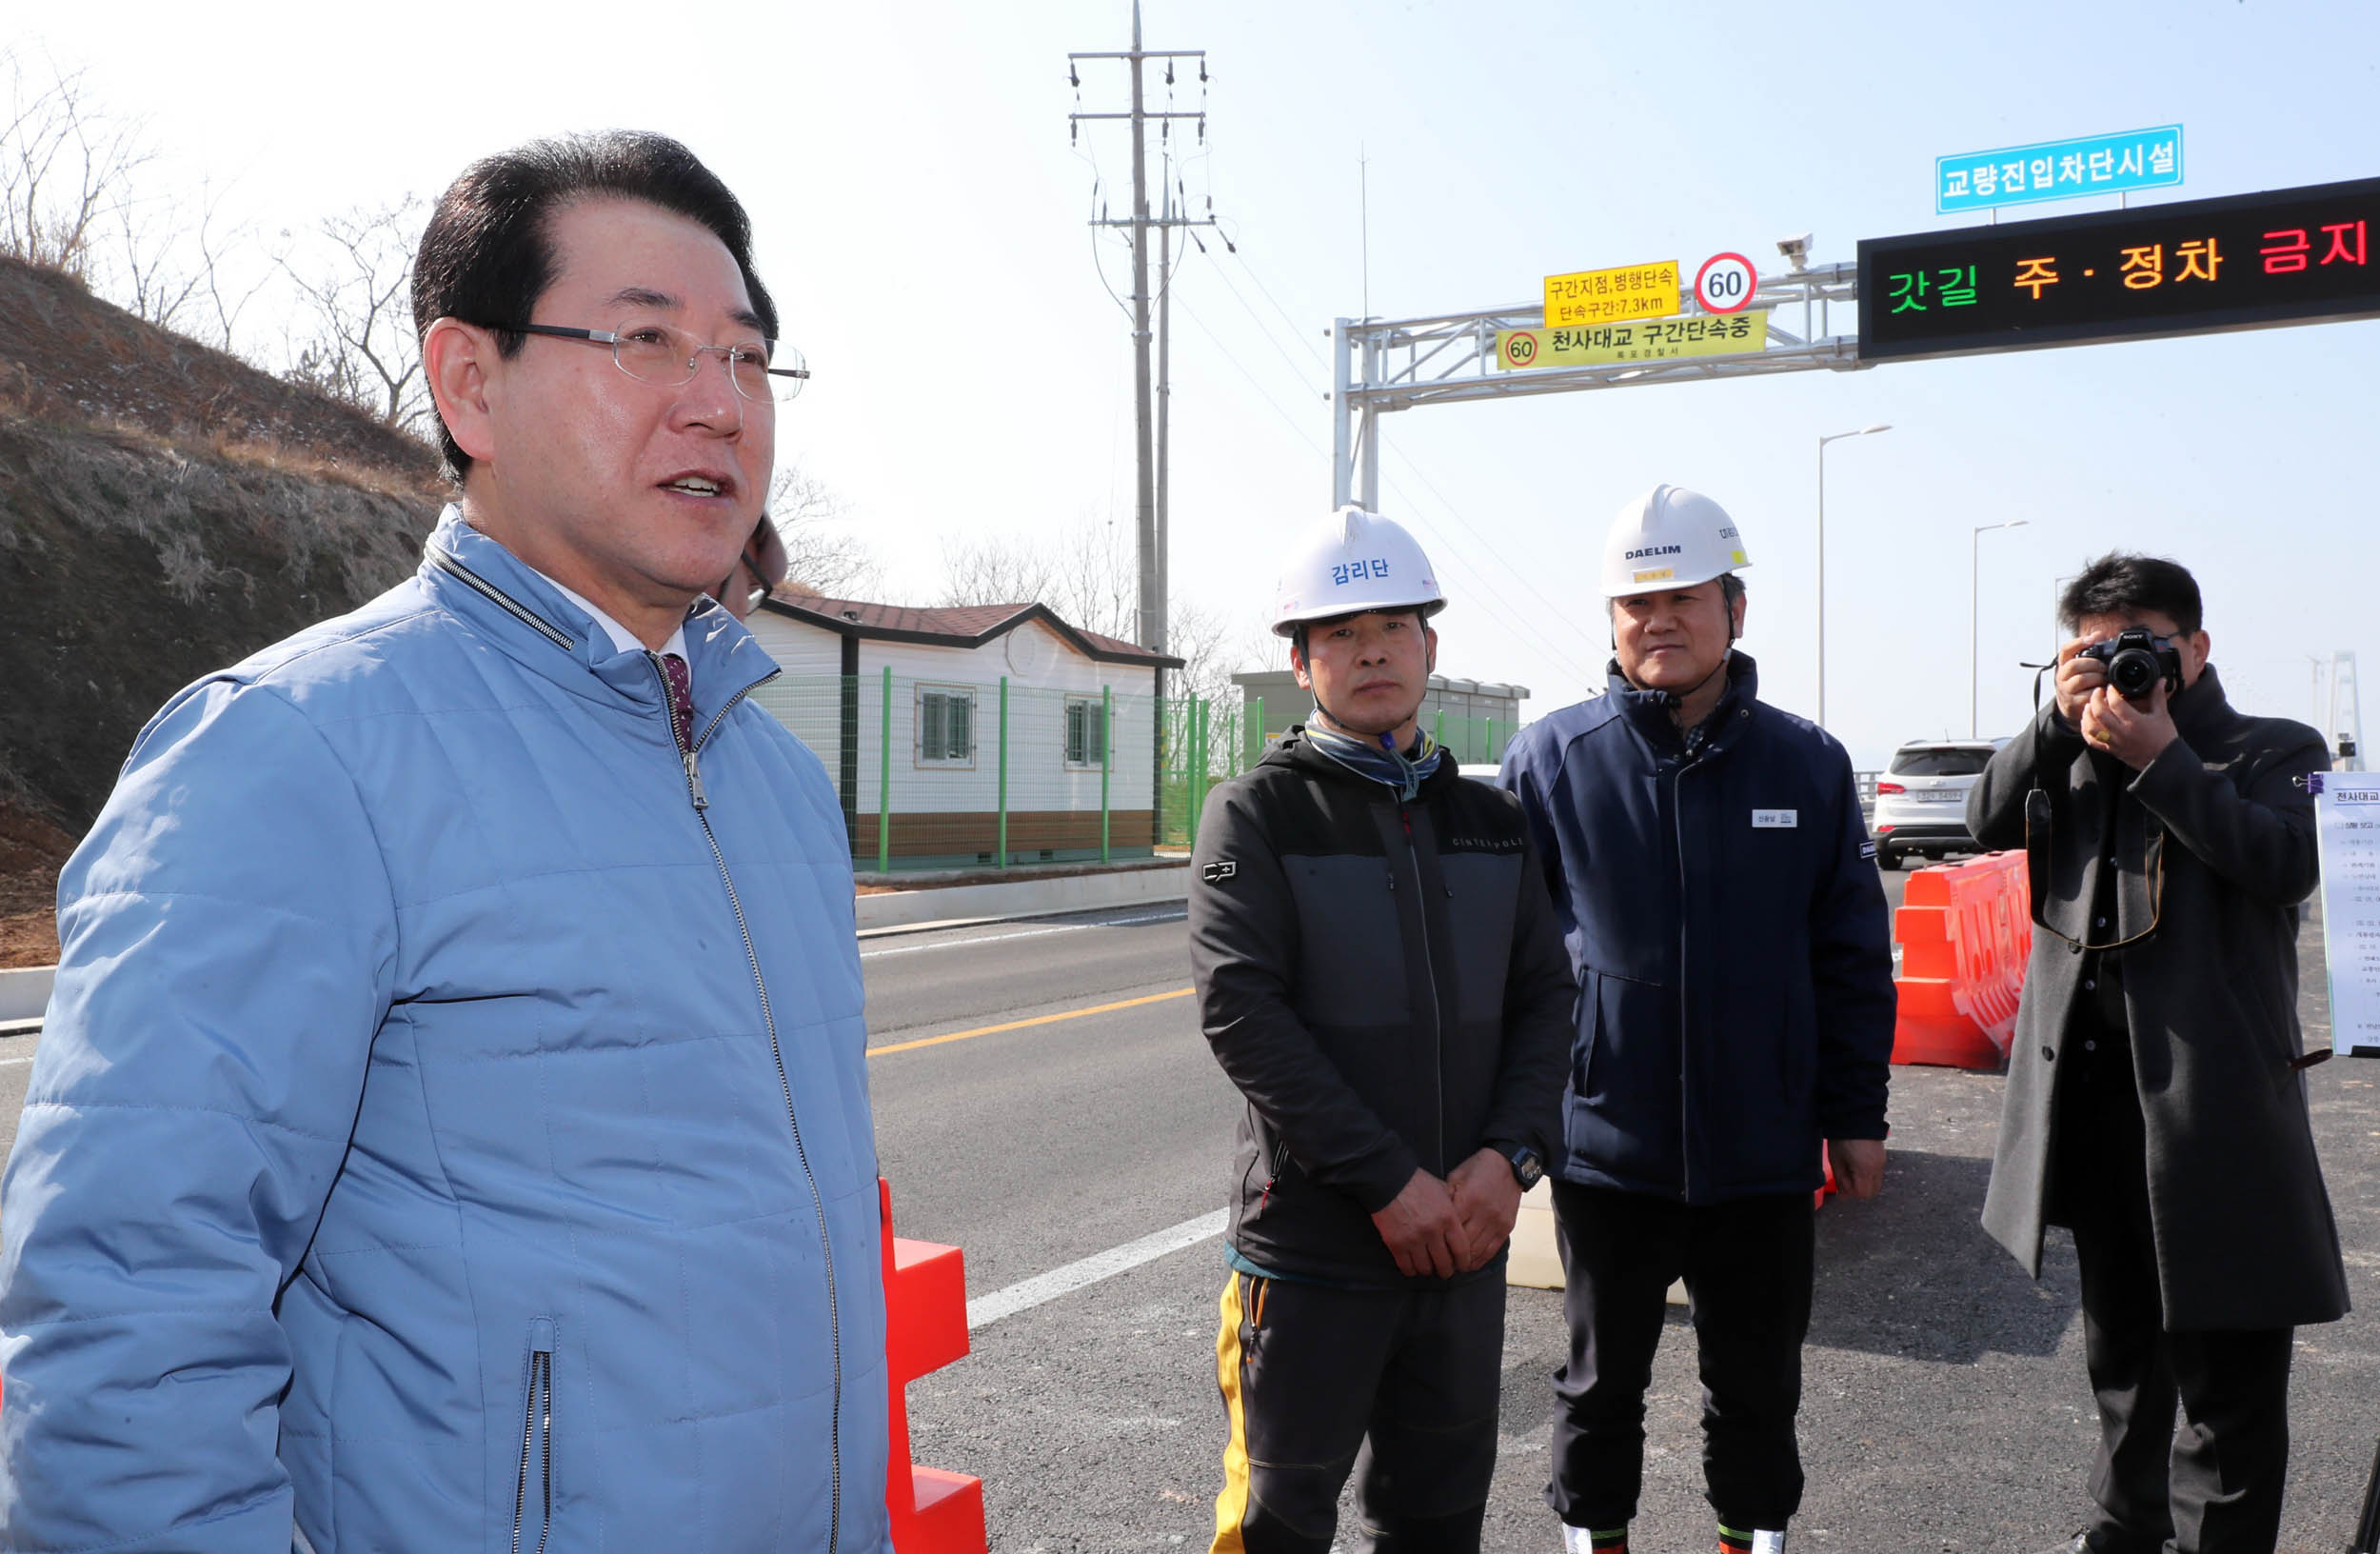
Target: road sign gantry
[(1384, 365), (2241, 262)]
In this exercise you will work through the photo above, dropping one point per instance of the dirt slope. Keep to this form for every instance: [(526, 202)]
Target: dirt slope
[(165, 509)]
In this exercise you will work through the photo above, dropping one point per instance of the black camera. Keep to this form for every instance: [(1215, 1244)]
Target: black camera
[(2136, 659)]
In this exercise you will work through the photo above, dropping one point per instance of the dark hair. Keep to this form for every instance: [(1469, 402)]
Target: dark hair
[(2117, 584), (487, 255)]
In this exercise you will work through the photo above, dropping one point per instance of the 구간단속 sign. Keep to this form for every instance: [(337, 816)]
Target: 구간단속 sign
[(2058, 170), (1606, 296), (2248, 261), (1647, 340)]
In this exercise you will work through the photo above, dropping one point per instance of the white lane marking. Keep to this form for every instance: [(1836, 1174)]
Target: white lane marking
[(11, 1062), (1022, 933), (985, 1309)]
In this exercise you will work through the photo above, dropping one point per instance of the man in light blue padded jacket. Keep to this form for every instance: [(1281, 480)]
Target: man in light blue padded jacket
[(451, 1127)]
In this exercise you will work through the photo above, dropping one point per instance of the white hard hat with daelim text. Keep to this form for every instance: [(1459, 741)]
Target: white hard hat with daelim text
[(1670, 538)]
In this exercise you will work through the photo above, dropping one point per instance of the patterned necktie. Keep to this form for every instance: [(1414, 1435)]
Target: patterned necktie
[(681, 698)]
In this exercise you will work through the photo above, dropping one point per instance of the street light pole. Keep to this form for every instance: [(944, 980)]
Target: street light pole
[(1829, 437), (1974, 598)]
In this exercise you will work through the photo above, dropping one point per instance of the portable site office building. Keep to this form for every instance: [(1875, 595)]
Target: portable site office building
[(975, 735)]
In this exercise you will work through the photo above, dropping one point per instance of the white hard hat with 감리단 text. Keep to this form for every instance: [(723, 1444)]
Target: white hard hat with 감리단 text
[(1670, 538), (1359, 561)]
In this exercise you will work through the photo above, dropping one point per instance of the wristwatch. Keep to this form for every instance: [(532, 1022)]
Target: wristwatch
[(1527, 1169)]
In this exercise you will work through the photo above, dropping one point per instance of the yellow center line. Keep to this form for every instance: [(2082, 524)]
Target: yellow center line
[(1020, 1024)]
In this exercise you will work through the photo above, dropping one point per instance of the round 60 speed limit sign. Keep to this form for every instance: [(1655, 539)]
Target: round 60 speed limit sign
[(1725, 283)]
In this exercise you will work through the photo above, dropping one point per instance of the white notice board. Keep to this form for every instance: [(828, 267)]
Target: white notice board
[(2347, 818)]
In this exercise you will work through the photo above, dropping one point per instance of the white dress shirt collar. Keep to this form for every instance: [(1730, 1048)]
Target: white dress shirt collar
[(621, 638)]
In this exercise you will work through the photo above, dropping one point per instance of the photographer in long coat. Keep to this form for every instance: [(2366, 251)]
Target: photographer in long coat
[(2155, 1103)]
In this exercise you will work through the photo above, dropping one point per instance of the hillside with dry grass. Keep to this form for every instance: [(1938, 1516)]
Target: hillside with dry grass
[(165, 509)]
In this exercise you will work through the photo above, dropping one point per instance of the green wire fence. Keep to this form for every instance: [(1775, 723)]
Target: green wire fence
[(950, 774)]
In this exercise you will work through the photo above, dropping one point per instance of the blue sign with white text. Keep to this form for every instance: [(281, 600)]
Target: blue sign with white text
[(2058, 170)]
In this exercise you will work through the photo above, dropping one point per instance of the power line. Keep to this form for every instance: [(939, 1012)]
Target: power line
[(1267, 330), (1452, 511), (1319, 360), (1518, 620)]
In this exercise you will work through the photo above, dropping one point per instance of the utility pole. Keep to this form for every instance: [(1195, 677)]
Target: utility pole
[(1164, 405), (1148, 407)]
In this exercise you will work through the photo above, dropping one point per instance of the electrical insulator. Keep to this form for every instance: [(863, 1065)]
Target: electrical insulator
[(1073, 80)]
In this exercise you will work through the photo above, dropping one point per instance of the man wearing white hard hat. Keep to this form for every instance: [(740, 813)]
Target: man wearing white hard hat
[(1379, 972), (1717, 891)]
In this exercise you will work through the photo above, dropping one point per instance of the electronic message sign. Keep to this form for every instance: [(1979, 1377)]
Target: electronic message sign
[(2290, 257)]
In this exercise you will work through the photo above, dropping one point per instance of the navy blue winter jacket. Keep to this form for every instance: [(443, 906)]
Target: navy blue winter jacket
[(1724, 916)]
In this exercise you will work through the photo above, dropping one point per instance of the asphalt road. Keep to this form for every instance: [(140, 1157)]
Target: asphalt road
[(1036, 1146), (1945, 1404), (1945, 1400)]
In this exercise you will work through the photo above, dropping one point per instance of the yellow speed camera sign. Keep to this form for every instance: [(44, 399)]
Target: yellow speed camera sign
[(1607, 296), (1650, 340)]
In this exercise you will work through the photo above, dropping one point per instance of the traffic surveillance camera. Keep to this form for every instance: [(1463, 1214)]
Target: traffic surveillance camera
[(1795, 249)]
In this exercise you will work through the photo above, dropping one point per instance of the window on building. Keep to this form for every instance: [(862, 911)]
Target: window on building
[(1086, 732), (945, 726)]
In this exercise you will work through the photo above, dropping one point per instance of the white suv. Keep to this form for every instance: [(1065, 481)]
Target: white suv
[(1921, 798)]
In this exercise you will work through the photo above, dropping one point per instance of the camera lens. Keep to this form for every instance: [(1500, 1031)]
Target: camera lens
[(2135, 672)]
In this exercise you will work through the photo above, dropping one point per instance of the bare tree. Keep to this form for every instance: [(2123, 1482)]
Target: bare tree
[(1212, 652), (66, 165), (221, 293), (997, 569), (823, 555), (72, 197), (357, 283), (1090, 576), (1096, 582), (155, 286)]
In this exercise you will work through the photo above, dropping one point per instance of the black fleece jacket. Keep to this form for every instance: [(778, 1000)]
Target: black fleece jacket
[(1384, 983)]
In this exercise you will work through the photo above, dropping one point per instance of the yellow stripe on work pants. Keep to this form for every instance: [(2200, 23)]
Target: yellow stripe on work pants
[(1231, 1506)]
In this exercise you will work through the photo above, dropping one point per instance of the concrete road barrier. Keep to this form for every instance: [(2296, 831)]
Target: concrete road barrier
[(25, 993), (1022, 898), (1535, 1259)]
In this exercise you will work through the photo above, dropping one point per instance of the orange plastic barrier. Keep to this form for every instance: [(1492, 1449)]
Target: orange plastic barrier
[(1965, 931), (926, 1328)]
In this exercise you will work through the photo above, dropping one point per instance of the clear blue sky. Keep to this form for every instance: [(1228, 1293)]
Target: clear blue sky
[(921, 217)]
